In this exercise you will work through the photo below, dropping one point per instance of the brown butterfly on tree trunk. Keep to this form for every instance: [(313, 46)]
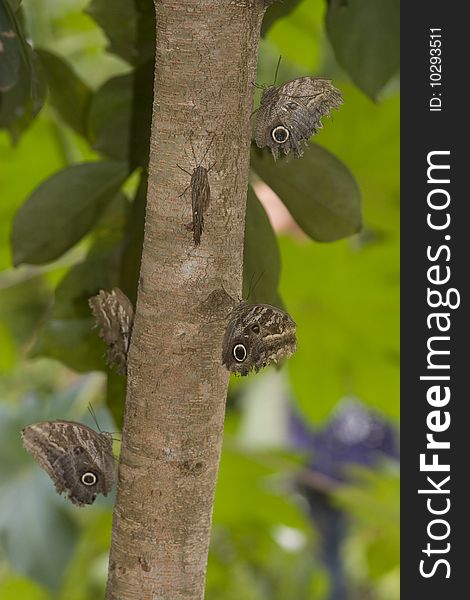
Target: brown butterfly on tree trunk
[(291, 113), (79, 460), (114, 316), (256, 336)]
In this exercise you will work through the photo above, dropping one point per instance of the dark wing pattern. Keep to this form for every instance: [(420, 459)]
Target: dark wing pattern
[(291, 113), (257, 335), (114, 316), (79, 460)]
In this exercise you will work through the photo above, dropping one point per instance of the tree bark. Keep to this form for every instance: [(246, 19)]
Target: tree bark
[(206, 59)]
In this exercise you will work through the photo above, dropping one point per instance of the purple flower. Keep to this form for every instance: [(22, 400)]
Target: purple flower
[(354, 435)]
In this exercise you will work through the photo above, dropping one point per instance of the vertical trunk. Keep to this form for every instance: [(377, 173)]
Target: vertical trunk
[(205, 64)]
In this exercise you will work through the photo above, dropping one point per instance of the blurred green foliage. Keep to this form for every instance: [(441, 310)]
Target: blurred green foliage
[(73, 196)]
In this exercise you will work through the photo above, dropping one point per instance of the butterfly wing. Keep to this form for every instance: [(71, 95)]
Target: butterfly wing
[(114, 315), (256, 336), (79, 460), (236, 346), (292, 113), (277, 339), (40, 440), (86, 473), (267, 118)]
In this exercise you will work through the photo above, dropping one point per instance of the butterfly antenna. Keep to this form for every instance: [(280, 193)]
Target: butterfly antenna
[(253, 284), (277, 69), (184, 170), (207, 150), (91, 410), (194, 154), (250, 285)]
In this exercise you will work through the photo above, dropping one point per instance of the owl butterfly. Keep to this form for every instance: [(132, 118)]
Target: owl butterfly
[(79, 460), (292, 112), (256, 336), (114, 316), (200, 194)]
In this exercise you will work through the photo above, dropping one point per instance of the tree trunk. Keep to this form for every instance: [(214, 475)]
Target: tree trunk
[(206, 59)]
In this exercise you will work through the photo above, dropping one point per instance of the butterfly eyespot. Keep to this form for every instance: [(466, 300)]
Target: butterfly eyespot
[(239, 352), (255, 328), (280, 134), (88, 478)]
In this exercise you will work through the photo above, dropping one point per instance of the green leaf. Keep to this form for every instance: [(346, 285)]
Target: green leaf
[(374, 502), (319, 191), (63, 209), (142, 106), (129, 26), (276, 11), (71, 341), (121, 116), (68, 333), (365, 35), (29, 504), (69, 95), (14, 4), (366, 137), (133, 242), (10, 49), (42, 155), (8, 350), (260, 267), (22, 307), (264, 504), (344, 297), (111, 116), (345, 301), (22, 89), (297, 37), (91, 558), (15, 588), (119, 22), (116, 386)]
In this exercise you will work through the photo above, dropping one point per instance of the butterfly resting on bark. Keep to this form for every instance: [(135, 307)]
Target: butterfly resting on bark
[(291, 113), (114, 315), (256, 336), (79, 460)]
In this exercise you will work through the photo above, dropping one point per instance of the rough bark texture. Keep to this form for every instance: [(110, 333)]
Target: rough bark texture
[(205, 64)]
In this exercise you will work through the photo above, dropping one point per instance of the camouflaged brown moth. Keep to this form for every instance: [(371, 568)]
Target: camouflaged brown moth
[(200, 194)]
